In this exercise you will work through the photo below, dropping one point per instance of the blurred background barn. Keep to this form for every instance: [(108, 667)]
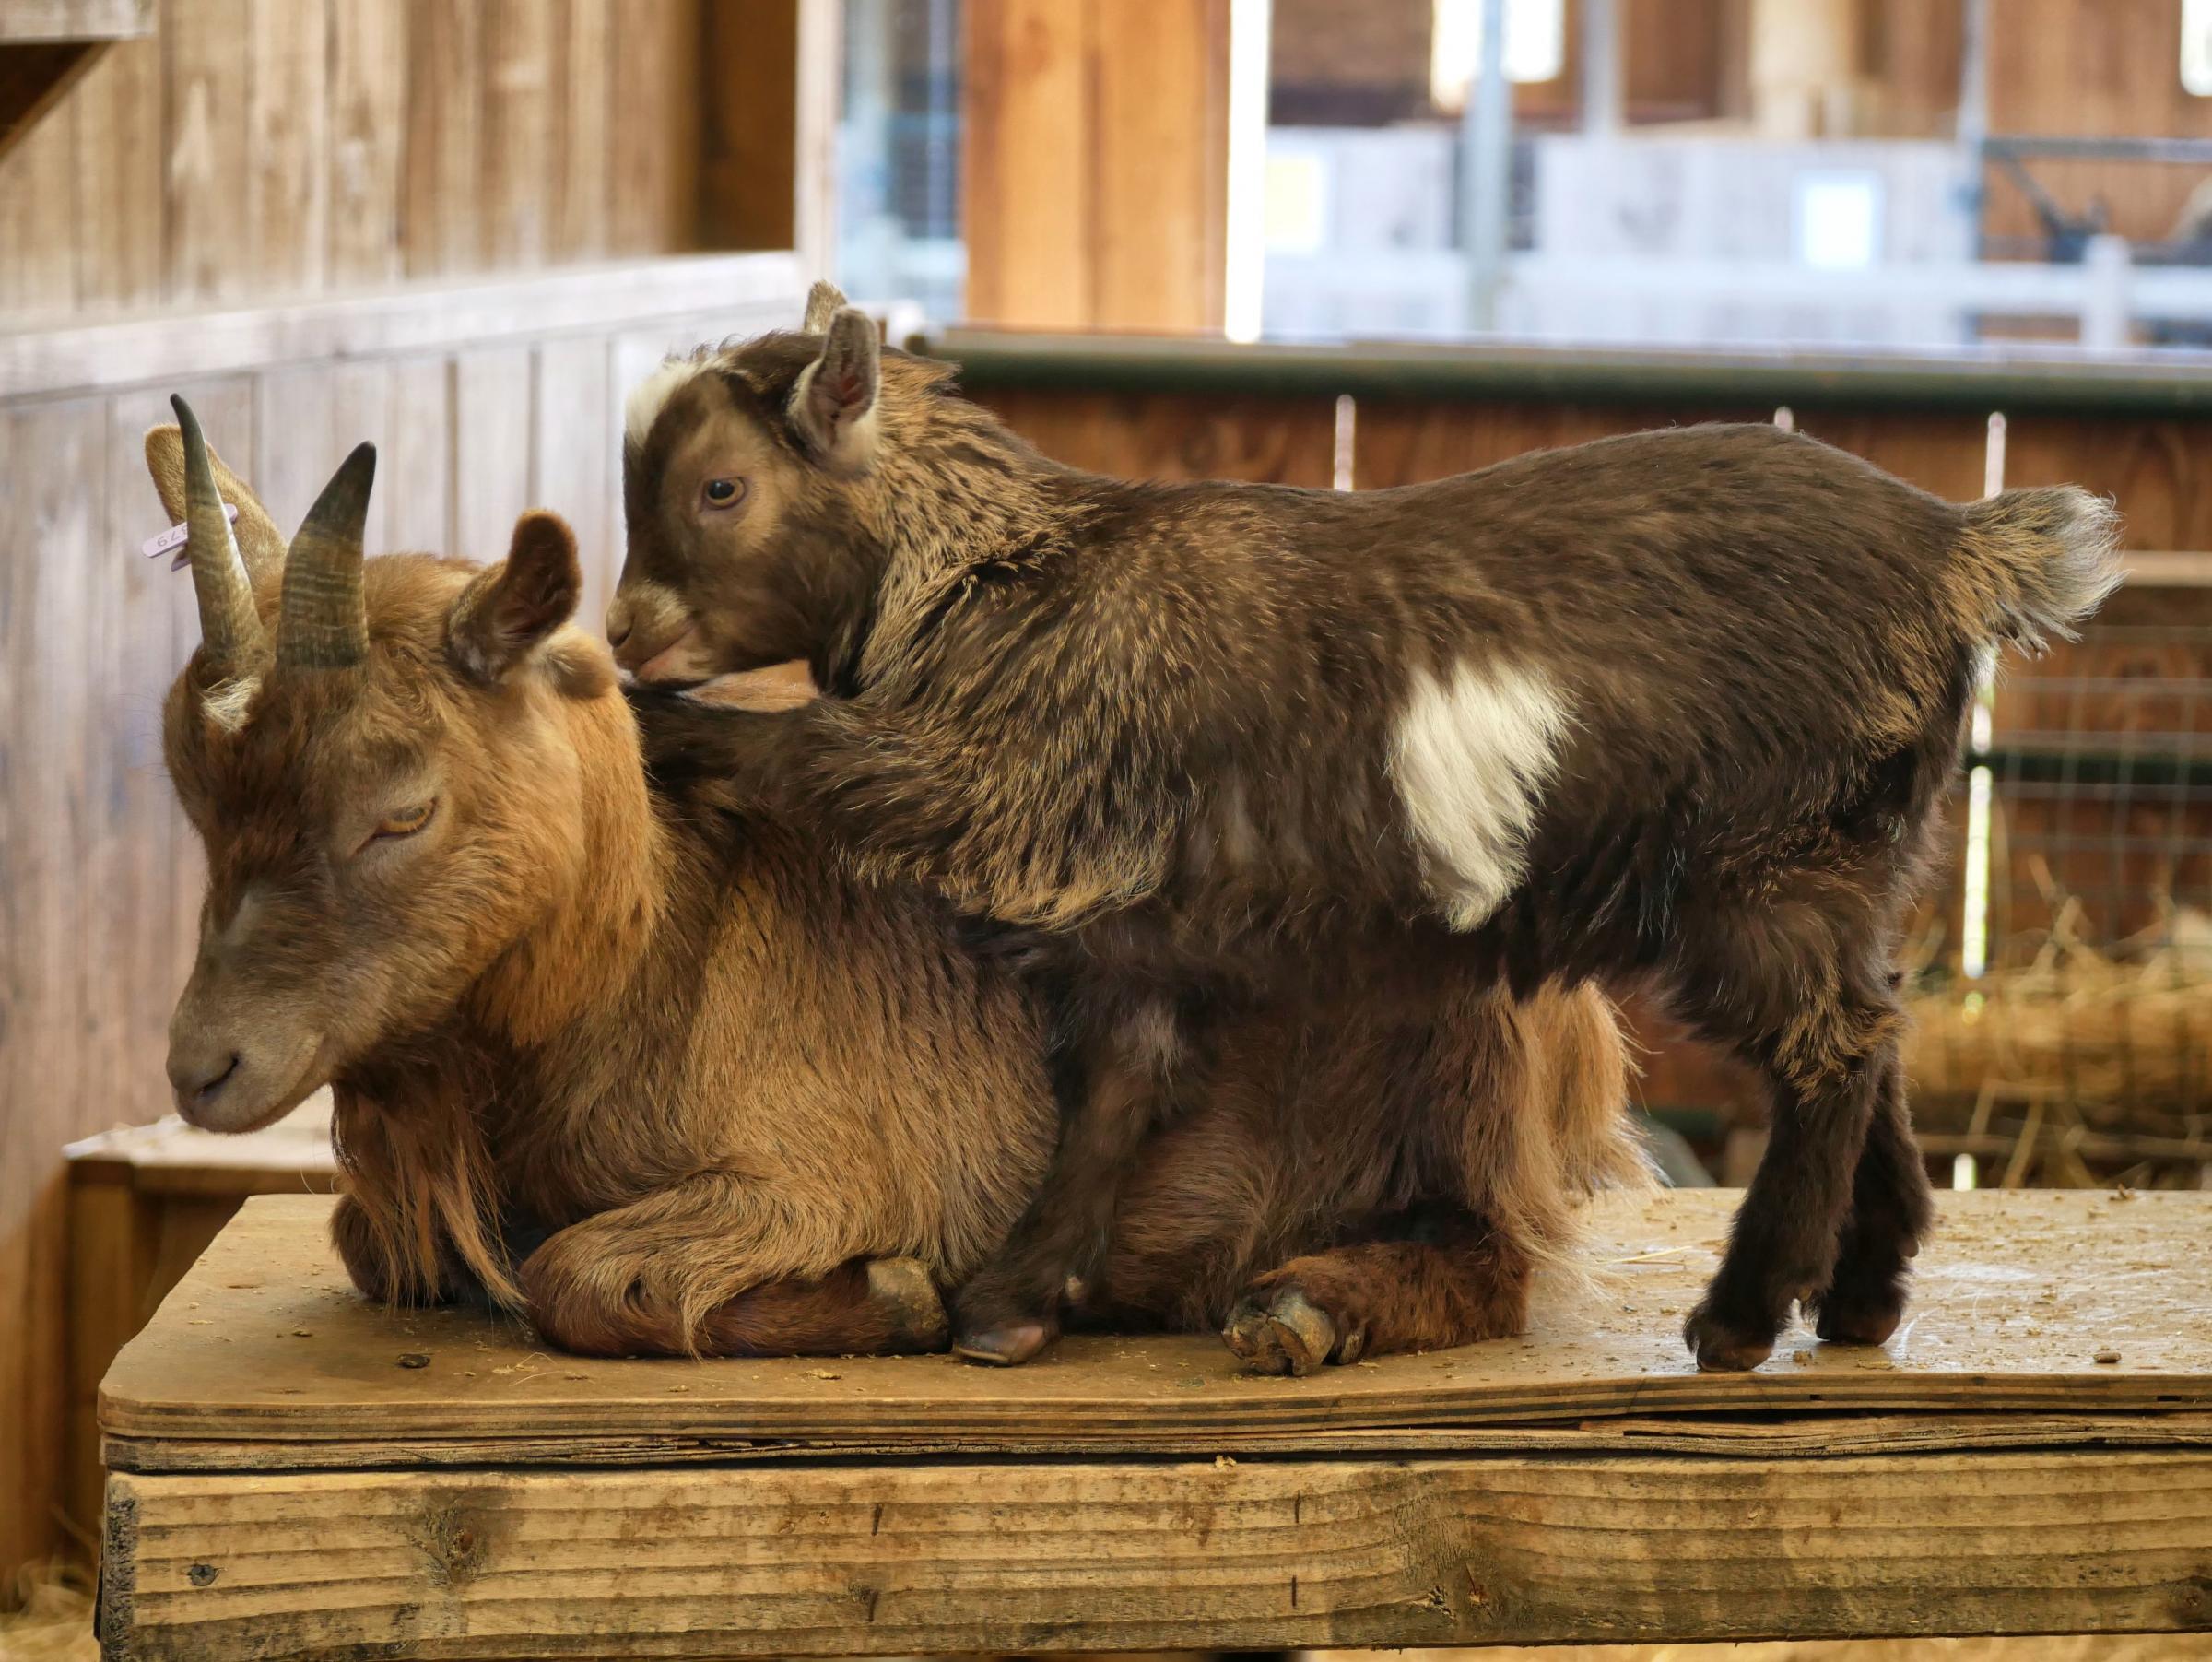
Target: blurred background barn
[(1340, 243)]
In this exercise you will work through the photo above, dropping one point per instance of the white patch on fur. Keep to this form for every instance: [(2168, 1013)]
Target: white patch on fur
[(1471, 757), (651, 396), (225, 704)]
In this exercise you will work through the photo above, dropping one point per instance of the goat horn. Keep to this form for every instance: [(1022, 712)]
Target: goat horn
[(324, 624), (229, 626)]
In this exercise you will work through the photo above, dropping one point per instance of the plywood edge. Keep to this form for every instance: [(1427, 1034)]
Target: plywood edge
[(751, 290), (1784, 1438), (857, 1559)]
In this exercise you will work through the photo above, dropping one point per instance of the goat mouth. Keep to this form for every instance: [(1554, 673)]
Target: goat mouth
[(665, 666)]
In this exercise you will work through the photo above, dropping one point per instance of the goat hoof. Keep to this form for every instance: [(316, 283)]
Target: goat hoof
[(1005, 1346), (906, 1291), (1860, 1321), (1289, 1334), (1721, 1348)]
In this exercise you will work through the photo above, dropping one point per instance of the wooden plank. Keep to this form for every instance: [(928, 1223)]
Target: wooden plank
[(1224, 1555), (749, 142), (119, 187), (580, 174), (521, 46), (37, 168), (1026, 184), (495, 423), (285, 234), (368, 115), (55, 532), (209, 115), (575, 461), (2016, 1296), (418, 473), (1161, 71), (33, 82), (308, 418), (1405, 442), (657, 87), (1171, 436), (2158, 471), (821, 63), (443, 181), (25, 20), (169, 350), (1945, 454)]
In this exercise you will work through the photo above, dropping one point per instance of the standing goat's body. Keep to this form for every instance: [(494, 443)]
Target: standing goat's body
[(735, 1099), (1678, 706)]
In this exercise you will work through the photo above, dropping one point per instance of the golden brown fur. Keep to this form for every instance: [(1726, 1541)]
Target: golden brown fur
[(729, 1100)]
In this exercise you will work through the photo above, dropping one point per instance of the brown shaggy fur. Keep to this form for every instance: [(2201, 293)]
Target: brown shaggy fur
[(740, 1101), (1678, 706)]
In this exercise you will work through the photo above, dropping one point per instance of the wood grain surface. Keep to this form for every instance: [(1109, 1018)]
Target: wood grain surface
[(1085, 1555), (264, 1355)]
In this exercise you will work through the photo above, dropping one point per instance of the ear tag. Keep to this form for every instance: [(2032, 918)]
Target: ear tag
[(176, 537)]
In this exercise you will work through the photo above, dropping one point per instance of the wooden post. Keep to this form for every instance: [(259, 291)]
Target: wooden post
[(1096, 170)]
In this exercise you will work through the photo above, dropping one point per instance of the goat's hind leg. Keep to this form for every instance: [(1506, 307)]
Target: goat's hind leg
[(1891, 1210), (1426, 1280), (1111, 1085), (1783, 1247)]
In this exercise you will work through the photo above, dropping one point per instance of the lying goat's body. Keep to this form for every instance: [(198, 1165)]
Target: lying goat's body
[(726, 1097), (1678, 706)]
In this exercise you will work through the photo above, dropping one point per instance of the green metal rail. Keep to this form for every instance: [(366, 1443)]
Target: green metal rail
[(1979, 380)]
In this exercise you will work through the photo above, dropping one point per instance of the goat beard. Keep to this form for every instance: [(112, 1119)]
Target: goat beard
[(420, 1171)]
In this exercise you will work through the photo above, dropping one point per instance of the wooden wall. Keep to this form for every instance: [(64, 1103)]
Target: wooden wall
[(258, 149), (100, 878), (1095, 162)]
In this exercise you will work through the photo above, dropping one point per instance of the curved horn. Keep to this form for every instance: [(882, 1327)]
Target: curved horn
[(322, 625), (229, 626)]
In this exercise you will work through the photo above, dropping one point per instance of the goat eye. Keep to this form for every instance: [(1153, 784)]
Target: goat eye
[(406, 822), (723, 493)]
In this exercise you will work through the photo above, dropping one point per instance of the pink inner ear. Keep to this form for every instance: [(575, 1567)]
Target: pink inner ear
[(848, 387)]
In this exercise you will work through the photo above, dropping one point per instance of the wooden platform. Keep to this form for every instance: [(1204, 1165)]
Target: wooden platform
[(297, 1474)]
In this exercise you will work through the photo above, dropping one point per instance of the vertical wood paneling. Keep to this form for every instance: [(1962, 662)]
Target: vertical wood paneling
[(520, 42), (38, 260), (118, 196), (1405, 442), (444, 179), (208, 112), (54, 530), (287, 136), (494, 422), (654, 133), (368, 110), (1943, 453), (1160, 75), (572, 464), (416, 475), (2158, 471), (747, 148), (307, 420), (583, 84), (1025, 164)]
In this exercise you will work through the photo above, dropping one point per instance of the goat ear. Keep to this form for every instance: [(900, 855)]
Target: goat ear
[(823, 302), (507, 612), (833, 404), (259, 541)]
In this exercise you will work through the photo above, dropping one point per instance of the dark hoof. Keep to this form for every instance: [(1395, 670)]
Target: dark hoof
[(1721, 1348), (1285, 1332), (1860, 1322), (1005, 1346)]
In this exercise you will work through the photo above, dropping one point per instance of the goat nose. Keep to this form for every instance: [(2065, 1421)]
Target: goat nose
[(199, 1084), (618, 630)]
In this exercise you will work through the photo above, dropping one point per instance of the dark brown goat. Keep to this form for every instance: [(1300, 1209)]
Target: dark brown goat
[(1679, 706), (752, 1104)]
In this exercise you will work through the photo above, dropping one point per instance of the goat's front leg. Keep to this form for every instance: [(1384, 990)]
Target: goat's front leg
[(712, 1266)]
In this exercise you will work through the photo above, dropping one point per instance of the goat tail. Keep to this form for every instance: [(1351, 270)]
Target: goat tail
[(2040, 562)]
